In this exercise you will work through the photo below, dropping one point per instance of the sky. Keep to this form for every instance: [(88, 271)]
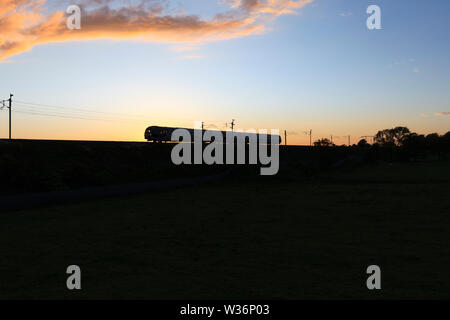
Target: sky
[(273, 64)]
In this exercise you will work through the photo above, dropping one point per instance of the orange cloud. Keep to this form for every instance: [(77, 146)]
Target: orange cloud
[(25, 25)]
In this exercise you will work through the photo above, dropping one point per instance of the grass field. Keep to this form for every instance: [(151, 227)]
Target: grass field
[(289, 237)]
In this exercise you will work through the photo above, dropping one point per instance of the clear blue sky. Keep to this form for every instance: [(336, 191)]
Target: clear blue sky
[(319, 69)]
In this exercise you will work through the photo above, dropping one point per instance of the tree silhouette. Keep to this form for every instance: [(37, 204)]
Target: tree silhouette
[(446, 141), (392, 137), (415, 145), (363, 143), (434, 144), (323, 143)]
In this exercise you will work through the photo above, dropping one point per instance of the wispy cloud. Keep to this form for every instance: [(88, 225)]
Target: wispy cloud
[(442, 114), (184, 48), (192, 57), (346, 14), (403, 62), (416, 70), (25, 24)]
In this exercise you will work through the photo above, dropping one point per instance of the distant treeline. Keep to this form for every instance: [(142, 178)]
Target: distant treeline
[(401, 143)]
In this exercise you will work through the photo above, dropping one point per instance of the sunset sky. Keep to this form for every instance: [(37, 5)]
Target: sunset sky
[(283, 64)]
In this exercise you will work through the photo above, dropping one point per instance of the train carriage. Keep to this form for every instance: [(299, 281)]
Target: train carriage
[(164, 134)]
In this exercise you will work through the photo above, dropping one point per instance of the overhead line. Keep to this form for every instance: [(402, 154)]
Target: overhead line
[(72, 117), (130, 115), (75, 114), (78, 109)]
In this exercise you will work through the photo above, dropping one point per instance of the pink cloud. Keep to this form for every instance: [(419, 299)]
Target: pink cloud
[(25, 25)]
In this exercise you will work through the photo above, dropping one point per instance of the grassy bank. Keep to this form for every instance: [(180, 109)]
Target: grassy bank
[(279, 238)]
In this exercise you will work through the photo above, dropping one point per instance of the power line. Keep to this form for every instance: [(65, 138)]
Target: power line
[(74, 114), (77, 113), (72, 117), (89, 112), (79, 110), (57, 111), (30, 110)]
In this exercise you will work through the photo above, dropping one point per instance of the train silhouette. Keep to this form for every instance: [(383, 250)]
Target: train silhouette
[(158, 134)]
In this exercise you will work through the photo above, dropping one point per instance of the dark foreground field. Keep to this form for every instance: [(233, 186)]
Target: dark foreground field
[(290, 237)]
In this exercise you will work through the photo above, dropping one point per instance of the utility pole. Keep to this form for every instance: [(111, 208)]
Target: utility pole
[(309, 133), (331, 139), (349, 141), (10, 107), (232, 125), (285, 138)]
